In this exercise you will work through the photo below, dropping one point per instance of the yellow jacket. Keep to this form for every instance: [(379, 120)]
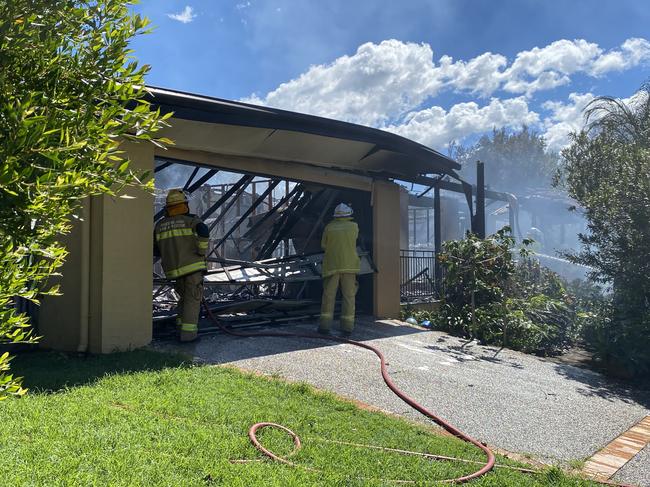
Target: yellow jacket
[(181, 241), (340, 245)]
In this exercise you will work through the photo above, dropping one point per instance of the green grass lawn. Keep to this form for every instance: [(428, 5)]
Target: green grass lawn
[(145, 418)]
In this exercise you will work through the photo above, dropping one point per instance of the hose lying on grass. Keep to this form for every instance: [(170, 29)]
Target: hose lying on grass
[(488, 465)]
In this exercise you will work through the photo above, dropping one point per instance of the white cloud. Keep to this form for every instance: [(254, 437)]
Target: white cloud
[(482, 74), (563, 56), (633, 52), (569, 117), (185, 17), (436, 127), (564, 119), (375, 85), (387, 85), (381, 83)]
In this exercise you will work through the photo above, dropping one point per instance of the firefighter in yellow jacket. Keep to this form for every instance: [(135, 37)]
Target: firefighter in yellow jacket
[(341, 265), (181, 241)]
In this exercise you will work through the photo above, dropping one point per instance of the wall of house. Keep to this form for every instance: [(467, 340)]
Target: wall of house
[(63, 319), (121, 264), (106, 283)]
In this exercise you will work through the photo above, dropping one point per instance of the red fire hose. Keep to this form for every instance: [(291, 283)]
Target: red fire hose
[(489, 464)]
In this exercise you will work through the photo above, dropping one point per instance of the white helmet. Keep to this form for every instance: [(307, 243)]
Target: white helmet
[(342, 211)]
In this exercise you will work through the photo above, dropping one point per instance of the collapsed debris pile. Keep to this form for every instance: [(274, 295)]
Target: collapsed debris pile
[(264, 248)]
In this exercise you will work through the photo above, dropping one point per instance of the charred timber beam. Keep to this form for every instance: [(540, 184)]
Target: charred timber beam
[(458, 188), (272, 211), (162, 166), (247, 213), (286, 223), (318, 222), (202, 180), (235, 187), (191, 178)]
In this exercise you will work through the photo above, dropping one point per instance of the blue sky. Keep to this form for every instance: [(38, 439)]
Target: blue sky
[(433, 71)]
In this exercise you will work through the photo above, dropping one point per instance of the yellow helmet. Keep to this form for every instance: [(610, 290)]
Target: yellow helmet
[(176, 197)]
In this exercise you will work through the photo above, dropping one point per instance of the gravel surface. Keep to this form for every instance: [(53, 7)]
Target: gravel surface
[(522, 403), (636, 470)]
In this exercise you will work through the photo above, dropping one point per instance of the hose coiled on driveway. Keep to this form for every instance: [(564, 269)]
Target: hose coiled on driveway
[(490, 460)]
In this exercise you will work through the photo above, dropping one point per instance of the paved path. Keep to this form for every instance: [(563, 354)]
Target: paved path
[(514, 401)]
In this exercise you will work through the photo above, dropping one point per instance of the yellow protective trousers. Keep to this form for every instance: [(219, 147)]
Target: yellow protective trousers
[(190, 291), (349, 286)]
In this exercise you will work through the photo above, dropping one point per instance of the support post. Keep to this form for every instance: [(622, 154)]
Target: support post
[(386, 249), (480, 200), (469, 196), (437, 235)]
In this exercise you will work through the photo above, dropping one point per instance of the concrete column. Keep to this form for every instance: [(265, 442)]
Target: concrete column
[(386, 246), (121, 241)]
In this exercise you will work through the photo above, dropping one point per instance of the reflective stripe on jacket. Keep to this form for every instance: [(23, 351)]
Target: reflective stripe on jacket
[(340, 245), (182, 242)]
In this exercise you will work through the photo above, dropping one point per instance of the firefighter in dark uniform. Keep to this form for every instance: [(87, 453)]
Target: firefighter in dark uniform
[(181, 241)]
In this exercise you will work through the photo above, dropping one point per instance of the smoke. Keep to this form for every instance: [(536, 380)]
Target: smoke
[(173, 176)]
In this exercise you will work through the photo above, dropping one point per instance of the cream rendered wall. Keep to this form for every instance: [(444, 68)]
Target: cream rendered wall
[(121, 263), (64, 319), (271, 168), (106, 280), (386, 246)]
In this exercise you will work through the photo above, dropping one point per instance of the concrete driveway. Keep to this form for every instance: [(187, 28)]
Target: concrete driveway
[(525, 404)]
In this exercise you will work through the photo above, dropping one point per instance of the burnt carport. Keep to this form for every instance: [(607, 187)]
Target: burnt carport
[(106, 283)]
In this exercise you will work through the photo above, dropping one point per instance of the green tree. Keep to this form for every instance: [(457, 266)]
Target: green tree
[(513, 160), (607, 170), (69, 94)]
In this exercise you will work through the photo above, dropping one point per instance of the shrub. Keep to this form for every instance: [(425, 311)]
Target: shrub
[(490, 296), (70, 93)]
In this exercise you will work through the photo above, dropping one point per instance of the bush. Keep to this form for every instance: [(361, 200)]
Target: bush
[(618, 335), (493, 298), (70, 94)]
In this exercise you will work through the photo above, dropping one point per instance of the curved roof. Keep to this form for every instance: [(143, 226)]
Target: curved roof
[(309, 139)]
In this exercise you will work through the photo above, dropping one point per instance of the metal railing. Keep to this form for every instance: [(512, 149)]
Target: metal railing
[(417, 278)]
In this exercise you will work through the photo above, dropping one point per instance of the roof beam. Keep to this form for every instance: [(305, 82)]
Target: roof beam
[(203, 179), (290, 170)]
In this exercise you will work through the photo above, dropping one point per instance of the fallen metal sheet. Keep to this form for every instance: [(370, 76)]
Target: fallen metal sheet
[(294, 269), (256, 306), (260, 304)]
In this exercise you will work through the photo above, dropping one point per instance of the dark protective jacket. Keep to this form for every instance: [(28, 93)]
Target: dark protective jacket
[(182, 242), (340, 245)]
